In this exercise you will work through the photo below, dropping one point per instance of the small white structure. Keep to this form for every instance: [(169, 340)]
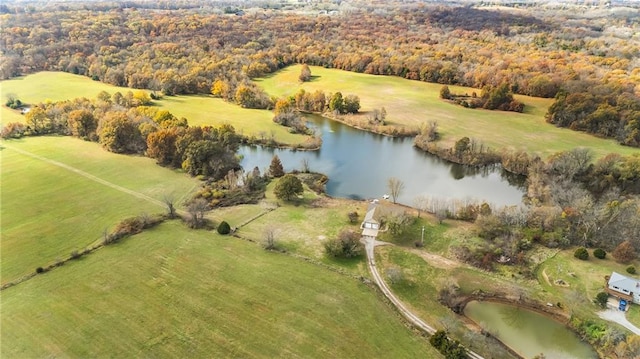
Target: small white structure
[(624, 287)]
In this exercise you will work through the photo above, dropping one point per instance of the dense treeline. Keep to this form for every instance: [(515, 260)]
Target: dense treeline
[(599, 110), (571, 201), (186, 51)]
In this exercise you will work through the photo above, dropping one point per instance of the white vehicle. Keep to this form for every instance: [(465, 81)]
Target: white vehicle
[(386, 196)]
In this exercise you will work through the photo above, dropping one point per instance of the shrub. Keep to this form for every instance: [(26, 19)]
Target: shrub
[(631, 270), (346, 245), (353, 217), (581, 253), (599, 253), (75, 255), (224, 228), (39, 270), (601, 299)]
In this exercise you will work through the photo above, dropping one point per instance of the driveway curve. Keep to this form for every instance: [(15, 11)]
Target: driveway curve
[(618, 316)]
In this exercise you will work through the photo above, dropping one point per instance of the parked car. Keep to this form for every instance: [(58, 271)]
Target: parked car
[(623, 305)]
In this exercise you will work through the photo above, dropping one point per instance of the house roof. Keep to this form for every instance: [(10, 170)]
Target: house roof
[(369, 232), (372, 216), (624, 282)]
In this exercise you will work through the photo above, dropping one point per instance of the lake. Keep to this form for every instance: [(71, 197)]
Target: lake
[(359, 164)]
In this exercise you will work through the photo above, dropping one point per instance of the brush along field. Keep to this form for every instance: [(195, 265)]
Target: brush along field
[(199, 110)]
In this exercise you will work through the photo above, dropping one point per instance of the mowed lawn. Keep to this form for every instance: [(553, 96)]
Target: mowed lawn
[(412, 103), (49, 210), (175, 292), (199, 110)]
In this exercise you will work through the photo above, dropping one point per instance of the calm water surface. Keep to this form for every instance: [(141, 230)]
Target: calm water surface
[(527, 332), (359, 163)]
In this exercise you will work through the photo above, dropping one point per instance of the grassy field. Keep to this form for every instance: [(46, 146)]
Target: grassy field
[(198, 110), (49, 210), (411, 103), (584, 279), (174, 292)]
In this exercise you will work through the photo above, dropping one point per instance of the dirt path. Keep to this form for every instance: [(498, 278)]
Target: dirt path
[(414, 319), (88, 176), (437, 261)]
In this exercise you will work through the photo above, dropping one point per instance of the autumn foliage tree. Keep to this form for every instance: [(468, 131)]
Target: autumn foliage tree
[(624, 252)]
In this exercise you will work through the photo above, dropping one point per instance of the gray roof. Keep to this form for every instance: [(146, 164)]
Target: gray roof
[(371, 216), (624, 282)]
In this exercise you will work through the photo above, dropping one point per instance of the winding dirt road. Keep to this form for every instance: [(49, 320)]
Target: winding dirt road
[(370, 245)]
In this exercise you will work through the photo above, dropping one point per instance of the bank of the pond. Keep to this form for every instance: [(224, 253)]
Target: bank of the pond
[(359, 164), (527, 329)]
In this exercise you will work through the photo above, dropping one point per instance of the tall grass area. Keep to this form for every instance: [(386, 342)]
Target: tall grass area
[(174, 292), (48, 210), (411, 103), (199, 110)]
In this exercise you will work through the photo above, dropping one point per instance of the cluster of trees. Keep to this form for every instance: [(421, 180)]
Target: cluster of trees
[(121, 124), (492, 98), (603, 110), (245, 94), (571, 202)]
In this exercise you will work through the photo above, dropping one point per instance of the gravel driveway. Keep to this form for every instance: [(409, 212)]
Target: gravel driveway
[(617, 316)]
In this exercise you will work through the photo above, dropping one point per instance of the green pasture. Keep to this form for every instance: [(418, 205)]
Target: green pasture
[(49, 210), (175, 292), (202, 110), (412, 103), (301, 225), (199, 110), (49, 86)]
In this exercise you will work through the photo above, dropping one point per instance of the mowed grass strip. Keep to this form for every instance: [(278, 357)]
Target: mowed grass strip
[(412, 103), (199, 110), (48, 211), (174, 292)]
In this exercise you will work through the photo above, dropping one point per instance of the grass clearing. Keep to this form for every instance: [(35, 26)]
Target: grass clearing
[(584, 279), (199, 110), (48, 211), (129, 299), (411, 103)]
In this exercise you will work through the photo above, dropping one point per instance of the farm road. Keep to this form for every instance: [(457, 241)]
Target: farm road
[(87, 175), (369, 245)]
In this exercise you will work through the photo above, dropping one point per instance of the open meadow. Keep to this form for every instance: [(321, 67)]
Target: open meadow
[(412, 103), (199, 110), (59, 194), (175, 292)]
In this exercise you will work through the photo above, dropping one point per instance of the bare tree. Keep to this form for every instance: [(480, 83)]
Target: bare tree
[(269, 238), (395, 186), (421, 202), (169, 201), (305, 165), (196, 210)]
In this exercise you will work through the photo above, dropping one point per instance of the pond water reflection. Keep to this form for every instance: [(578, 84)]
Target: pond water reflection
[(359, 163)]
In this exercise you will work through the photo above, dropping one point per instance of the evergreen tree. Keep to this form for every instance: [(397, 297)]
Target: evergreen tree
[(276, 169)]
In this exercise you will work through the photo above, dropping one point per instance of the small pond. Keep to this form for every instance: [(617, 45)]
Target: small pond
[(359, 164), (527, 332)]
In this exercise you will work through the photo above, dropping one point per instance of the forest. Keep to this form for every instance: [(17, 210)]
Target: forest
[(588, 65)]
